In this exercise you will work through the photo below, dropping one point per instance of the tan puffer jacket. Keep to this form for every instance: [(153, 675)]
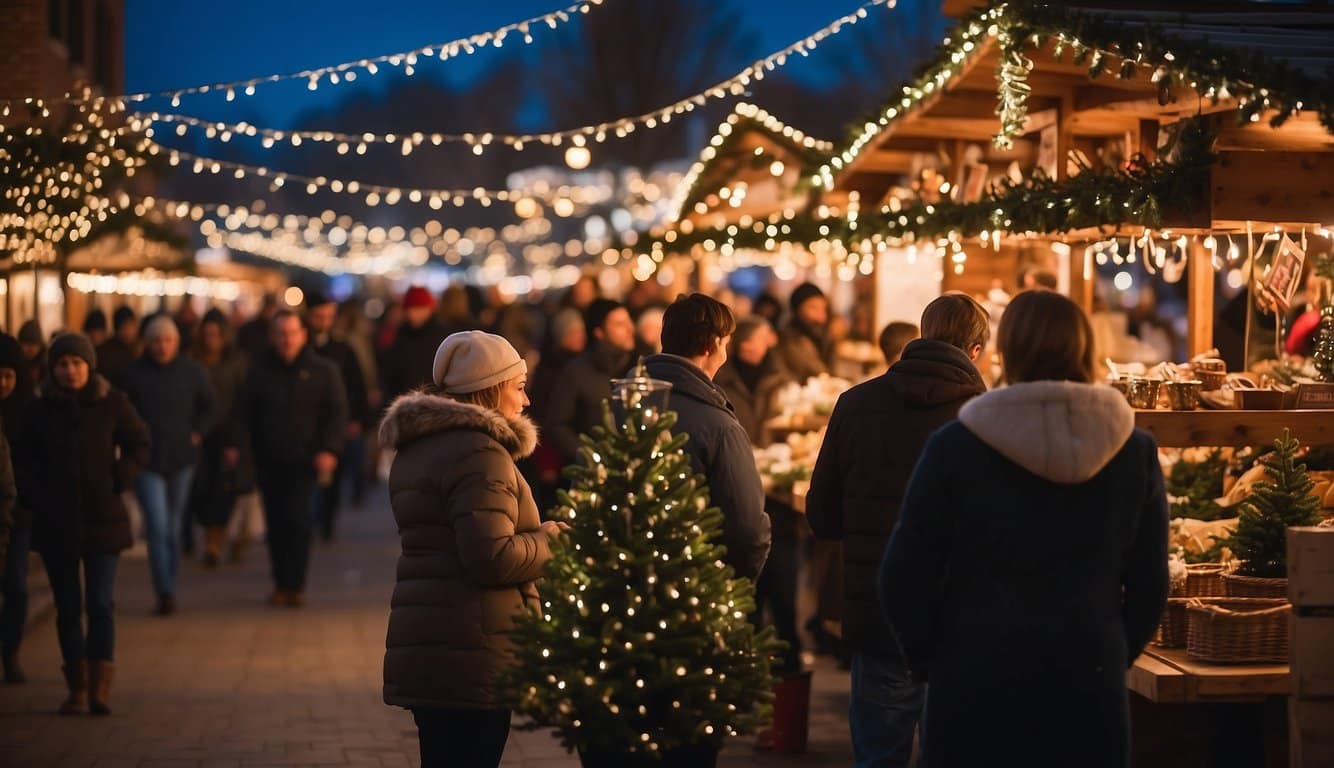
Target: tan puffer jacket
[(472, 549)]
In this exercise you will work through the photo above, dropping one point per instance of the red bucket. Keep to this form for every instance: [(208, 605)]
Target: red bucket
[(792, 713)]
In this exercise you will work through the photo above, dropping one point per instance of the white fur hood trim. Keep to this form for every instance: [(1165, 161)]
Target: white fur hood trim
[(418, 414), (1059, 430)]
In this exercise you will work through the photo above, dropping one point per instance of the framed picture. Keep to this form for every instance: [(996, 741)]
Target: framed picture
[(1285, 272)]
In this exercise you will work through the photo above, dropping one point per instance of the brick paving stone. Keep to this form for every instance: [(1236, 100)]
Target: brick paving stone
[(232, 683)]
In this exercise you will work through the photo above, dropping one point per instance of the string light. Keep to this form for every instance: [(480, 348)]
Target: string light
[(154, 283), (347, 71), (599, 132)]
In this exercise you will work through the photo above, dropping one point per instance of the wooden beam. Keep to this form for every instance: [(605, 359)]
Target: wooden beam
[(1065, 136), (1301, 133), (1273, 186), (888, 161), (1185, 429), (1199, 299)]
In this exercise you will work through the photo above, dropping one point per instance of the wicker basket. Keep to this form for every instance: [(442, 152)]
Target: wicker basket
[(1237, 585), (1204, 580), (1172, 631), (1238, 630)]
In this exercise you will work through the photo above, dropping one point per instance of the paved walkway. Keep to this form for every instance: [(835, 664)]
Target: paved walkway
[(230, 682)]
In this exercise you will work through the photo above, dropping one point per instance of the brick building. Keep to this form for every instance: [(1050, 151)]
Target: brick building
[(48, 47)]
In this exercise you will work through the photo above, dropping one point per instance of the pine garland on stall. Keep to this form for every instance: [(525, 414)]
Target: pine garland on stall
[(1260, 540), (643, 644)]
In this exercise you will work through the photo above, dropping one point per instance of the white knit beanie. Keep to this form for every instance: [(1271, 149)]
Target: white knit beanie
[(470, 361)]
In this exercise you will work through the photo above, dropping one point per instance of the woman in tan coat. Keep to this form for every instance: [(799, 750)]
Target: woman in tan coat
[(473, 546)]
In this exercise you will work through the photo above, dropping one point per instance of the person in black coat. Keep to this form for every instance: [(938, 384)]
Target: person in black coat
[(576, 404), (82, 444), (406, 365), (294, 413), (252, 338), (173, 395), (874, 439), (1029, 565), (566, 338), (34, 352), (15, 395), (321, 312), (695, 332), (117, 353)]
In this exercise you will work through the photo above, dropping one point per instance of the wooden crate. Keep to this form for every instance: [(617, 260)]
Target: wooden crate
[(1311, 567), (1311, 730), (1311, 653)]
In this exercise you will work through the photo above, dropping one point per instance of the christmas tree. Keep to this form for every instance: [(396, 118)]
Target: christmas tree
[(642, 645), (1323, 357), (1260, 540)]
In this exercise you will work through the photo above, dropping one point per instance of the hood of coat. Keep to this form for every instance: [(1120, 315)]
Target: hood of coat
[(1059, 430), (418, 414), (932, 373), (96, 389), (687, 379)]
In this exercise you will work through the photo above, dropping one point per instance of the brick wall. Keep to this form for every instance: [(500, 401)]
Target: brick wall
[(35, 59)]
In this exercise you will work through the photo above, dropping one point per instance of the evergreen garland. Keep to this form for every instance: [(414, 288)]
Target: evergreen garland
[(643, 643), (1195, 487), (1260, 540)]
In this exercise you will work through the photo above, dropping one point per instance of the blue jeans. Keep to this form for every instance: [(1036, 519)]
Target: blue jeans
[(884, 711), (163, 499), (14, 591), (99, 581)]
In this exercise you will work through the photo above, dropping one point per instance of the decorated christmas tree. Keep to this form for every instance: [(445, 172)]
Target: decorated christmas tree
[(1323, 357), (642, 649), (1260, 540)]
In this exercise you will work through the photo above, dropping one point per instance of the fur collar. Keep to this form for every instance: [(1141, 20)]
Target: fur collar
[(1058, 430), (418, 414)]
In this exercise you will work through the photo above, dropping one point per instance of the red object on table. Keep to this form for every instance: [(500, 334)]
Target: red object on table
[(1302, 336)]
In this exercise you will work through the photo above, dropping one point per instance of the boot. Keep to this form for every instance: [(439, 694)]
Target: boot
[(13, 672), (76, 679), (238, 549), (214, 539), (100, 675)]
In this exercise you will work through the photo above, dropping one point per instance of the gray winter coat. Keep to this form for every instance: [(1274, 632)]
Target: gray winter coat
[(720, 450), (473, 549)]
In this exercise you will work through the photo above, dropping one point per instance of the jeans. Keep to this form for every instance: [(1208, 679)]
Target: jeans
[(328, 499), (462, 738), (14, 591), (884, 711), (163, 499), (777, 589), (289, 495), (94, 594)]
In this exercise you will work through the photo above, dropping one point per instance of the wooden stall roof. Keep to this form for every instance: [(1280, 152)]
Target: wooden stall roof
[(741, 157), (1064, 94)]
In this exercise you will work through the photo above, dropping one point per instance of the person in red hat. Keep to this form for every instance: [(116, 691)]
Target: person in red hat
[(407, 364)]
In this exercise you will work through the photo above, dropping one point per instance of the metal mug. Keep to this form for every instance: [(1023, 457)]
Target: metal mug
[(1183, 395), (1143, 393)]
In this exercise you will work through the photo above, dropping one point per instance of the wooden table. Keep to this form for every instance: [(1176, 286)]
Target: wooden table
[(1168, 675)]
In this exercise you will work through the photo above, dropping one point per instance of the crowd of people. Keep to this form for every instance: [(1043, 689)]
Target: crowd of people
[(217, 427)]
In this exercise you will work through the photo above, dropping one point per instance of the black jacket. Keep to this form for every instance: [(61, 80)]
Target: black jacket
[(8, 497), (114, 357), (753, 405), (216, 485), (341, 354), (720, 451), (291, 412), (576, 400), (875, 437), (177, 401), (1027, 571), (70, 473), (407, 364)]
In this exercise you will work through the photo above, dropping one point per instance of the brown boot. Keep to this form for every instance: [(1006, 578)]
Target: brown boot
[(100, 675), (238, 550), (214, 539), (76, 678)]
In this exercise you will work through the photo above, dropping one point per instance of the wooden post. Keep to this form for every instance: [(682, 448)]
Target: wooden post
[(1083, 277), (1065, 135), (1200, 299)]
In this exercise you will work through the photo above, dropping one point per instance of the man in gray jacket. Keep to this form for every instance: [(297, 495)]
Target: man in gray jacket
[(695, 332)]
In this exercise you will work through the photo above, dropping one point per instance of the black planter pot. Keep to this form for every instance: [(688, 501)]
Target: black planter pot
[(689, 756)]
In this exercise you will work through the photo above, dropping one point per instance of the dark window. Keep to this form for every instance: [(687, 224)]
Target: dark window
[(104, 53), (74, 39), (55, 19)]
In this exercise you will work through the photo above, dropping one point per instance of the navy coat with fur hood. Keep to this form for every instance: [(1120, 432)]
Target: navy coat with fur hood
[(473, 549), (1027, 571)]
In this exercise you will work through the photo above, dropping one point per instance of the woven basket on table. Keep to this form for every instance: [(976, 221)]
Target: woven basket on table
[(1238, 630), (1254, 586), (1172, 631), (1204, 580)]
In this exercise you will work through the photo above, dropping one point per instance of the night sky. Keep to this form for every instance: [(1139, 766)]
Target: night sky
[(172, 44)]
